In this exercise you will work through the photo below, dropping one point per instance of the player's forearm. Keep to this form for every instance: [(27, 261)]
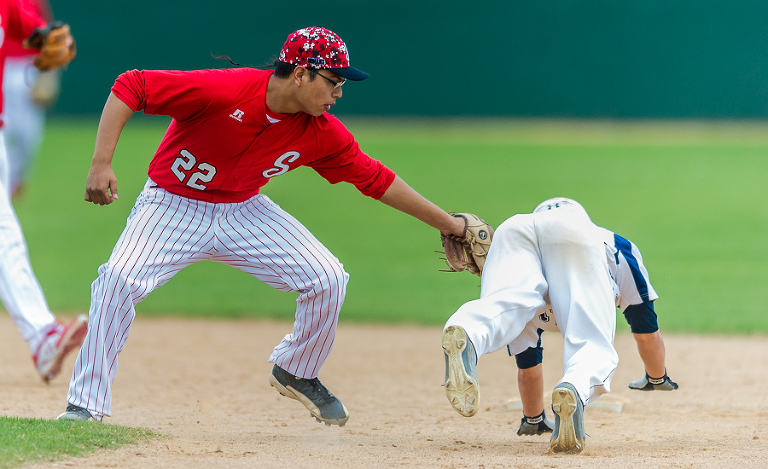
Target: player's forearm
[(402, 197), (113, 119)]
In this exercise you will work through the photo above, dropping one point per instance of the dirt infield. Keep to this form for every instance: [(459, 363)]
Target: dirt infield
[(204, 384)]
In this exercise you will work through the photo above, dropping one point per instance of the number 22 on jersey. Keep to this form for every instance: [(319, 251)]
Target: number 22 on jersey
[(186, 162), (204, 172)]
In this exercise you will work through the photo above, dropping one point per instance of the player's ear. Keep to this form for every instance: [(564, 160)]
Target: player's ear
[(299, 75)]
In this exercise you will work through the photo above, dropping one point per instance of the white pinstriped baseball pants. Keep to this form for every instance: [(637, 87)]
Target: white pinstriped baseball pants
[(556, 257), (166, 233), (20, 291)]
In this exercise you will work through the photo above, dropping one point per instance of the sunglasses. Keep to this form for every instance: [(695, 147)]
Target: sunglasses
[(336, 84)]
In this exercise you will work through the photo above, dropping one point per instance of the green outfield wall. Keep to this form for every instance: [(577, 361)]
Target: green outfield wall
[(596, 59)]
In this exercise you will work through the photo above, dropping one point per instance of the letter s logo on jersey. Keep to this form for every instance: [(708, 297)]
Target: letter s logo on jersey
[(280, 166)]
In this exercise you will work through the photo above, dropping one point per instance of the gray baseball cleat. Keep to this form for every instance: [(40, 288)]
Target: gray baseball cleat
[(320, 402), (569, 435), (646, 383), (535, 425), (75, 413), (461, 385)]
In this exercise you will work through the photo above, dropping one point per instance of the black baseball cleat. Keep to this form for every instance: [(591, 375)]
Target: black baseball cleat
[(75, 413), (646, 383), (535, 425), (322, 405)]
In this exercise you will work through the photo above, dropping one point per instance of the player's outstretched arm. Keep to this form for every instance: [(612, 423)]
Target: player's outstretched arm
[(402, 197), (101, 185)]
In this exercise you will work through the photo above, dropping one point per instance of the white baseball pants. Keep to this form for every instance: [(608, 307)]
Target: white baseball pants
[(166, 233), (555, 257), (24, 120), (20, 291)]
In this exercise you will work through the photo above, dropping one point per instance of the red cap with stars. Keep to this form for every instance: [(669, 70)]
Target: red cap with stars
[(319, 48)]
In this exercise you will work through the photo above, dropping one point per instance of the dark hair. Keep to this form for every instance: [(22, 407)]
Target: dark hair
[(225, 57), (282, 69)]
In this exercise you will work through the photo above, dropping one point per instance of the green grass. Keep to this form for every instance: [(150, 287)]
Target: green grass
[(688, 194), (27, 441)]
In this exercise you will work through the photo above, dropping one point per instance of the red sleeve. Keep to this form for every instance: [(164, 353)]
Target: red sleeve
[(346, 162), (22, 22), (129, 88), (178, 94), (43, 7)]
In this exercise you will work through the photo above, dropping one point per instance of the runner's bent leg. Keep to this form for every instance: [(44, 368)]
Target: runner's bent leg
[(512, 292), (574, 259)]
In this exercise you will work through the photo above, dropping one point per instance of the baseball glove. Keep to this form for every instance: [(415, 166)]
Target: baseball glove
[(468, 252), (55, 43)]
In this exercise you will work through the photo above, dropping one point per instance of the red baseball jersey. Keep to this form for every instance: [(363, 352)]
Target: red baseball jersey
[(224, 143), (42, 8), (17, 22)]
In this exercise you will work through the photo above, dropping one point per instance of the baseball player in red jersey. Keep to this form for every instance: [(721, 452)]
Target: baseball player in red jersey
[(49, 340), (28, 94), (232, 130)]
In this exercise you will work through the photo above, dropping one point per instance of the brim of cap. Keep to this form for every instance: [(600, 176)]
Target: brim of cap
[(350, 73)]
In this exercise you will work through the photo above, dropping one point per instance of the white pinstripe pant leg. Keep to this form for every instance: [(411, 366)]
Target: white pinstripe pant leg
[(164, 234), (260, 238), (20, 291)]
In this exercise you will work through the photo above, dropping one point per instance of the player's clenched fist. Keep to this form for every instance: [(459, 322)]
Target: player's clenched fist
[(101, 185)]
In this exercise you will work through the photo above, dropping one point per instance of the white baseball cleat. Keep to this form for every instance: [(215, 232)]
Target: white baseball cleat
[(569, 435), (461, 385), (59, 342)]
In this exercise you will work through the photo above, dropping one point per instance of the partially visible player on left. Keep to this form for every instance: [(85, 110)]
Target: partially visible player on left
[(48, 339), (28, 94)]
